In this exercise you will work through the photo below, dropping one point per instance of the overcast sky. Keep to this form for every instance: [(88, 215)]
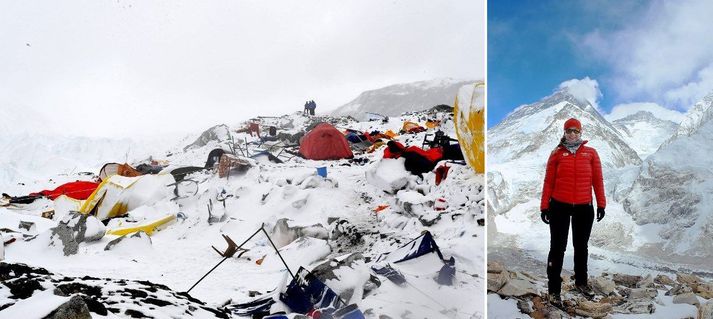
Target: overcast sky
[(657, 52), (127, 68)]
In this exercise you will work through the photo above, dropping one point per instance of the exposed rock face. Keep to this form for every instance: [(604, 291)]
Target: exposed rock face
[(216, 133), (98, 296), (673, 185), (400, 98)]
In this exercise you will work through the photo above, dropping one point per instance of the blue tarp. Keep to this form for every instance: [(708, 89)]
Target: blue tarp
[(306, 293), (418, 247)]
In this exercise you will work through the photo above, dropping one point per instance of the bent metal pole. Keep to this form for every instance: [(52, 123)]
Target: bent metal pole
[(225, 258)]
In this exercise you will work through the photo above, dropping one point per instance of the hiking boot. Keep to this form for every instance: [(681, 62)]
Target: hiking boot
[(585, 290), (554, 299)]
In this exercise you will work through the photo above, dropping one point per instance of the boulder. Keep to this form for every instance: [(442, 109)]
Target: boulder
[(646, 282), (664, 280), (74, 308), (643, 293), (705, 311), (629, 281), (705, 290), (496, 281), (516, 286), (603, 286), (636, 307), (686, 298), (593, 309), (688, 280), (63, 236), (678, 289), (495, 268)]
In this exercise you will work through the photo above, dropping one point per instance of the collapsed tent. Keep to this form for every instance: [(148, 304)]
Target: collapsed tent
[(417, 160), (76, 190), (119, 169), (118, 194), (411, 127), (419, 246), (324, 142), (469, 122), (306, 294)]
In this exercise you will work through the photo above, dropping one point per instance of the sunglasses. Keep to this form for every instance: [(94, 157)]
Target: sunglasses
[(572, 130)]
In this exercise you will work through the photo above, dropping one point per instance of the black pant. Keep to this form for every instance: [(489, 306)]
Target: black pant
[(582, 218)]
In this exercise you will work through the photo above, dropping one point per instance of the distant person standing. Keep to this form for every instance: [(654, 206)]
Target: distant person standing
[(306, 109), (573, 170), (313, 106)]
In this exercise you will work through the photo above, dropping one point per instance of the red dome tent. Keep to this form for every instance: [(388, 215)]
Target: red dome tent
[(324, 142)]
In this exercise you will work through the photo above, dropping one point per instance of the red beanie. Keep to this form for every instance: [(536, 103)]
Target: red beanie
[(573, 123)]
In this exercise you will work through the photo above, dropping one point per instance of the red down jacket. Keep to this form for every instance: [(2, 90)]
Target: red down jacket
[(570, 177)]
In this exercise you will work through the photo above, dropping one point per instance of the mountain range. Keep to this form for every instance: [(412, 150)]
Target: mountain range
[(396, 99), (657, 181)]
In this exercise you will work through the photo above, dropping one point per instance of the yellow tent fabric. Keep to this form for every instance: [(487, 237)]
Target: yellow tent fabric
[(391, 134), (118, 194), (409, 125), (469, 111), (433, 124), (148, 228)]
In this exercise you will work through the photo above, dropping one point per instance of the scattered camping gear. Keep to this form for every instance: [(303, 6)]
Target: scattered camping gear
[(325, 142), (185, 188), (267, 155), (417, 160), (149, 168), (469, 111), (442, 173), (120, 169), (262, 228), (180, 173), (8, 200), (214, 157), (116, 195), (29, 226), (76, 190), (231, 250), (411, 127), (229, 163), (147, 228), (419, 246), (390, 273), (322, 171), (306, 293)]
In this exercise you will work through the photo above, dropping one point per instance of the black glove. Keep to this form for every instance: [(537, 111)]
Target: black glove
[(545, 215), (600, 213)]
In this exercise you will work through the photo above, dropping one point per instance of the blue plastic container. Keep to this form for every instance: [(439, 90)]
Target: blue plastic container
[(322, 171)]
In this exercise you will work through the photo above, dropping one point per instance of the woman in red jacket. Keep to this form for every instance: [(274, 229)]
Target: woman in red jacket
[(573, 170)]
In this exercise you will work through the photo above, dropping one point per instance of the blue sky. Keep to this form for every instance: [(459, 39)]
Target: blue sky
[(637, 51)]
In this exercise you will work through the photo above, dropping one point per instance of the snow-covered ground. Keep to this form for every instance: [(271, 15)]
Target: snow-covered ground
[(341, 207)]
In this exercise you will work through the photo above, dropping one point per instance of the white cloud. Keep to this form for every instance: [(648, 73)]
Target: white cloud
[(185, 65), (585, 90), (661, 54)]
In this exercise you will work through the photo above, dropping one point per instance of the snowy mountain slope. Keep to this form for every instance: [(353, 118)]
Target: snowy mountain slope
[(674, 186), (399, 98), (339, 211), (519, 146), (645, 126)]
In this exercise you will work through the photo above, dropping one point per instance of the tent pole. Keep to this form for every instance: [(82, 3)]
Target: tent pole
[(278, 253), (216, 266)]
